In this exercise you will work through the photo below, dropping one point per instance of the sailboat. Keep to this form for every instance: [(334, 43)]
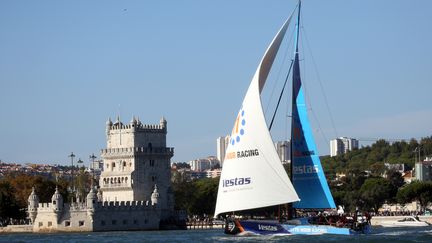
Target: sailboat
[(253, 176)]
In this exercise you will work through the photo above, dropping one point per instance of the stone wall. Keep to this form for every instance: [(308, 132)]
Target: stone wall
[(106, 216)]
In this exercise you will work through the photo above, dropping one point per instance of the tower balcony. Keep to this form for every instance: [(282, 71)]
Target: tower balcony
[(132, 151)]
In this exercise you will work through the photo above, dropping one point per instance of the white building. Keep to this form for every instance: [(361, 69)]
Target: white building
[(342, 145), (221, 145), (283, 149), (214, 173), (423, 170), (201, 165)]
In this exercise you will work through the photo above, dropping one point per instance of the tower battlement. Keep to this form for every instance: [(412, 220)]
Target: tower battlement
[(135, 134), (137, 150), (137, 125)]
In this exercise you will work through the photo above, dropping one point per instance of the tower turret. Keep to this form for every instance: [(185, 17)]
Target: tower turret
[(99, 195), (33, 202), (163, 123), (155, 196), (57, 201), (108, 125), (118, 122), (91, 198), (133, 123)]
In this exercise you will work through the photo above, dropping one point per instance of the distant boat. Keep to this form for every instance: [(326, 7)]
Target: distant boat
[(409, 221), (253, 175)]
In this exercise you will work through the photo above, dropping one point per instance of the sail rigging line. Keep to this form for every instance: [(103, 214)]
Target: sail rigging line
[(320, 83), (280, 96), (306, 90), (279, 72)]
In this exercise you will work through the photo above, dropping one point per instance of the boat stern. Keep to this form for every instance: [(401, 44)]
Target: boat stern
[(256, 227)]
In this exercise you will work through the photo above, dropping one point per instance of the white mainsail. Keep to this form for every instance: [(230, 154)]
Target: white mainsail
[(252, 173)]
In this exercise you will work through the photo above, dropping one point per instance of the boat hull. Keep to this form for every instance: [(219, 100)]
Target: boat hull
[(262, 227), (395, 225)]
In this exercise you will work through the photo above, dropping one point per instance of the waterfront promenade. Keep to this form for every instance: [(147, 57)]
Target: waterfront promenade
[(202, 225), (197, 225), (378, 220)]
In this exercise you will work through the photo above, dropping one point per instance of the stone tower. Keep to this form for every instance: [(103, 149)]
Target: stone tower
[(135, 160), (33, 202)]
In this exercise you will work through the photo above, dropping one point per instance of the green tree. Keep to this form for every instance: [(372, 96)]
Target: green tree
[(23, 183), (196, 197), (9, 207), (374, 192), (416, 191), (83, 182), (204, 201), (183, 193), (396, 181)]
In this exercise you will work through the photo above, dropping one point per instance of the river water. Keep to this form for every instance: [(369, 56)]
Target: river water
[(380, 235)]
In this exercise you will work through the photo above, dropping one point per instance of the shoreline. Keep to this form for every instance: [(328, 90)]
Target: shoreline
[(375, 221), (378, 220)]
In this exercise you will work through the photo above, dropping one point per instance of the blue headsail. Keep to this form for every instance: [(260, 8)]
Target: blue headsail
[(307, 174)]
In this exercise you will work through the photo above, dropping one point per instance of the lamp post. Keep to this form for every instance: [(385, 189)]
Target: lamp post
[(79, 181), (72, 156), (92, 157)]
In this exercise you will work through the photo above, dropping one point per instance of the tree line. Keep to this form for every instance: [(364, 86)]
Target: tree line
[(15, 188), (367, 183)]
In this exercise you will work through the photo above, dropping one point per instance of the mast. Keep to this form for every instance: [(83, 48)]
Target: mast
[(296, 72)]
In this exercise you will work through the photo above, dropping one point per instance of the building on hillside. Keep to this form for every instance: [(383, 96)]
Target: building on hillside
[(283, 149), (134, 188), (195, 175), (423, 171), (201, 165), (401, 168), (408, 177), (405, 209), (96, 165), (221, 146), (213, 173), (342, 145)]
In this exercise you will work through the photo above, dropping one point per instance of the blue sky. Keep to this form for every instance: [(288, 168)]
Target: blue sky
[(66, 66)]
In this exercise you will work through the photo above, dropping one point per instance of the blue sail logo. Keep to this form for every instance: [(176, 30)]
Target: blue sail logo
[(239, 128)]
